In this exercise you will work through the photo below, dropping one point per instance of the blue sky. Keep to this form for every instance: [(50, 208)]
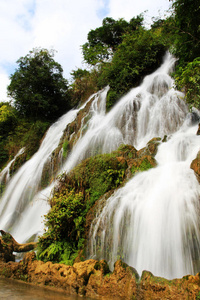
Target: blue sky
[(62, 25)]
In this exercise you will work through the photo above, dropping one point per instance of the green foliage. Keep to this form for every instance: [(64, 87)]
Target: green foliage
[(103, 41), (65, 148), (83, 86), (97, 175), (8, 119), (145, 165), (38, 87), (186, 28), (198, 296), (6, 238), (65, 223), (26, 135), (188, 78), (139, 54)]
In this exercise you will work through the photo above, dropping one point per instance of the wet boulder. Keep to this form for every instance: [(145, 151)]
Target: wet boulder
[(195, 165), (8, 245)]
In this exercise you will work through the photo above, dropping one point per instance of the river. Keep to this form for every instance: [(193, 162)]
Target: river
[(15, 290)]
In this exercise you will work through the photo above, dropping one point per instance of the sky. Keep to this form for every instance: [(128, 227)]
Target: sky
[(61, 25)]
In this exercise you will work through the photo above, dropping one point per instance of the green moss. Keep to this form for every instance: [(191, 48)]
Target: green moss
[(65, 148), (6, 238), (96, 176), (79, 190), (143, 166), (72, 203)]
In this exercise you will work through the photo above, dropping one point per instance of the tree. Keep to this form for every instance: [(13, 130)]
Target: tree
[(8, 119), (139, 54), (103, 41), (188, 78), (38, 88), (84, 84), (187, 25)]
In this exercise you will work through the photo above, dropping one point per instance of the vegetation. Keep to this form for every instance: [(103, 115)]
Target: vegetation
[(188, 79), (65, 228), (38, 88), (103, 41), (16, 133), (65, 222), (186, 26), (39, 95)]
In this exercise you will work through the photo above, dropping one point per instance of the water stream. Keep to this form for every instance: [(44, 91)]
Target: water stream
[(16, 290), (152, 223)]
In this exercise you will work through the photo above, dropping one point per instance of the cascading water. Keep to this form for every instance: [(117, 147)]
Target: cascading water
[(24, 203), (153, 222), (18, 205), (152, 109), (128, 223), (5, 174)]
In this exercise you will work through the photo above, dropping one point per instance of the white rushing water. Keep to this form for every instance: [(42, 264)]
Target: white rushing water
[(21, 206), (152, 222), (5, 174)]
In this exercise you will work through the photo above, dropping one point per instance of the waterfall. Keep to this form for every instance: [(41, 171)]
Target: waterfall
[(151, 222), (22, 203), (5, 174)]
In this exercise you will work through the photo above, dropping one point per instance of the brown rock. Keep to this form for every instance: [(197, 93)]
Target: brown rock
[(93, 278), (195, 165), (152, 287), (151, 148), (8, 245), (121, 284), (198, 131)]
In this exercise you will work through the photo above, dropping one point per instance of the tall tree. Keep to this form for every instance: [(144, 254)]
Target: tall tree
[(187, 25), (103, 41), (38, 88)]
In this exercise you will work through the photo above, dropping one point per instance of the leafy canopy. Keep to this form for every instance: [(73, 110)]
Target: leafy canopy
[(38, 88), (187, 29), (103, 41)]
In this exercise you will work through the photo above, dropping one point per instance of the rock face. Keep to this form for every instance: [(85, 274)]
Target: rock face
[(198, 130), (93, 279), (195, 165), (152, 287), (8, 245)]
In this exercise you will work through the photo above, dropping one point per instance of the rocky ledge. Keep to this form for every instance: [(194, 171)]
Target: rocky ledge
[(93, 279)]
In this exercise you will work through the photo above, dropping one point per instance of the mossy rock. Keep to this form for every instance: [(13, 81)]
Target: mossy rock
[(151, 147), (195, 165), (143, 163), (127, 151), (97, 175)]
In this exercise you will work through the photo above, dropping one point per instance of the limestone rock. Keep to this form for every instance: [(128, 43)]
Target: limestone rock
[(195, 165), (151, 148), (93, 278), (198, 131), (152, 287), (8, 245)]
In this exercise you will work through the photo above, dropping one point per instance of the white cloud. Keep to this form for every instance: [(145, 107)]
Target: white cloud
[(59, 24), (4, 82)]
